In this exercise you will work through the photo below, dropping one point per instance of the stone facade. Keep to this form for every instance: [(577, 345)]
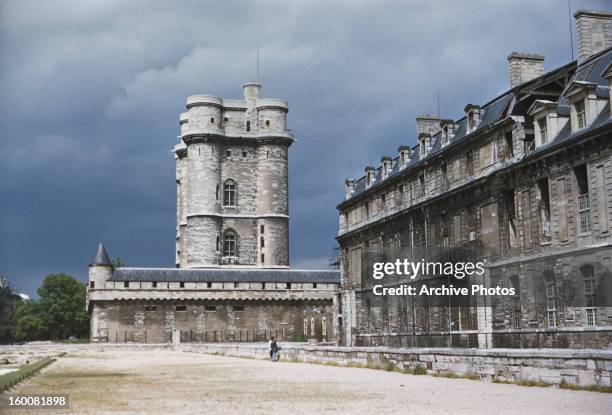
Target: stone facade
[(232, 280), (231, 175), (523, 182)]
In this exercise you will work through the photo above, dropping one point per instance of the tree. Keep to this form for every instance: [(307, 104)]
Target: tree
[(118, 263), (59, 314), (62, 301), (29, 322)]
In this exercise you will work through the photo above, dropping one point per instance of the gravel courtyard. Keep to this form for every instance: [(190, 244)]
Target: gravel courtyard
[(167, 382)]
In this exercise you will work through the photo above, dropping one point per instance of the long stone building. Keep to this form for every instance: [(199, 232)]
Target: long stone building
[(232, 280), (522, 183)]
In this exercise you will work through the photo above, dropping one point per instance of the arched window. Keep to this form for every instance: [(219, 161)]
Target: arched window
[(229, 193), (305, 327), (217, 193), (218, 243), (589, 294), (229, 244)]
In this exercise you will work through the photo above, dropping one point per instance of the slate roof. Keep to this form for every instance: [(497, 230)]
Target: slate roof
[(226, 275), (101, 257), (495, 111)]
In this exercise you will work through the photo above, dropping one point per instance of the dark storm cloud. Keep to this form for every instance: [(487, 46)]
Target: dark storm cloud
[(91, 93)]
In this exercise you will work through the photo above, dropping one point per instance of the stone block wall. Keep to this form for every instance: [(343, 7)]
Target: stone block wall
[(576, 367)]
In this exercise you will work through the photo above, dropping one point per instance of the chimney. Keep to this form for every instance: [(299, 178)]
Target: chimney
[(350, 187), (593, 32), (429, 124), (524, 67)]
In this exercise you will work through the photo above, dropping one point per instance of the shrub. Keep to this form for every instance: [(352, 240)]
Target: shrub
[(11, 379)]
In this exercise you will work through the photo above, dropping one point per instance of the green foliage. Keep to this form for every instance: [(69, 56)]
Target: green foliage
[(590, 388), (389, 367), (118, 263), (419, 370), (11, 379), (59, 314), (30, 323)]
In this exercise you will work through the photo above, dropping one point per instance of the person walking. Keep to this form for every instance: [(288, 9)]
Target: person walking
[(273, 349)]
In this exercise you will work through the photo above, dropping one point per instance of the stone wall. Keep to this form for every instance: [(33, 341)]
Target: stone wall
[(210, 320), (576, 367)]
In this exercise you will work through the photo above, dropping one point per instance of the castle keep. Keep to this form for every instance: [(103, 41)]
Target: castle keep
[(522, 183), (232, 280)]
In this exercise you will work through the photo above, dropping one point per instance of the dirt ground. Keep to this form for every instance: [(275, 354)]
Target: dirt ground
[(167, 382)]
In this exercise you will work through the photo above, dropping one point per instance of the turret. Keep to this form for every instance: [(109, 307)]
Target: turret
[(100, 269)]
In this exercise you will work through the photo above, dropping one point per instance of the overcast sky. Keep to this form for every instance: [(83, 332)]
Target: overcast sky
[(91, 92)]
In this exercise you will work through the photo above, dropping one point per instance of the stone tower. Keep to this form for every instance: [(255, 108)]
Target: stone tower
[(231, 177)]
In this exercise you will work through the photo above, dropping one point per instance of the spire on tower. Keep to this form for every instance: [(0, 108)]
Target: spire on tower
[(101, 257)]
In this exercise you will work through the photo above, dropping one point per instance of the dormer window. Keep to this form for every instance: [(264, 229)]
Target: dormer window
[(580, 114), (543, 130), (473, 113), (386, 166), (369, 176), (404, 156)]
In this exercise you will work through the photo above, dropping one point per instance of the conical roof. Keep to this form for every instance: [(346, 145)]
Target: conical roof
[(101, 257)]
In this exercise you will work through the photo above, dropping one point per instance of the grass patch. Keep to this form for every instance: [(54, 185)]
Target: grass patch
[(79, 375), (389, 367), (453, 375), (11, 379), (419, 370), (450, 375), (590, 388), (528, 383)]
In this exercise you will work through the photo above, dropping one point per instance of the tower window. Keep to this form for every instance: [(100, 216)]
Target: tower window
[(91, 284), (248, 125), (238, 308), (262, 258), (217, 193), (225, 119), (267, 123), (210, 308), (181, 284), (150, 308), (154, 284), (262, 242), (261, 228), (212, 120), (209, 284), (126, 284), (217, 245), (181, 308), (314, 285), (245, 154), (229, 244), (228, 153), (288, 285), (229, 193)]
